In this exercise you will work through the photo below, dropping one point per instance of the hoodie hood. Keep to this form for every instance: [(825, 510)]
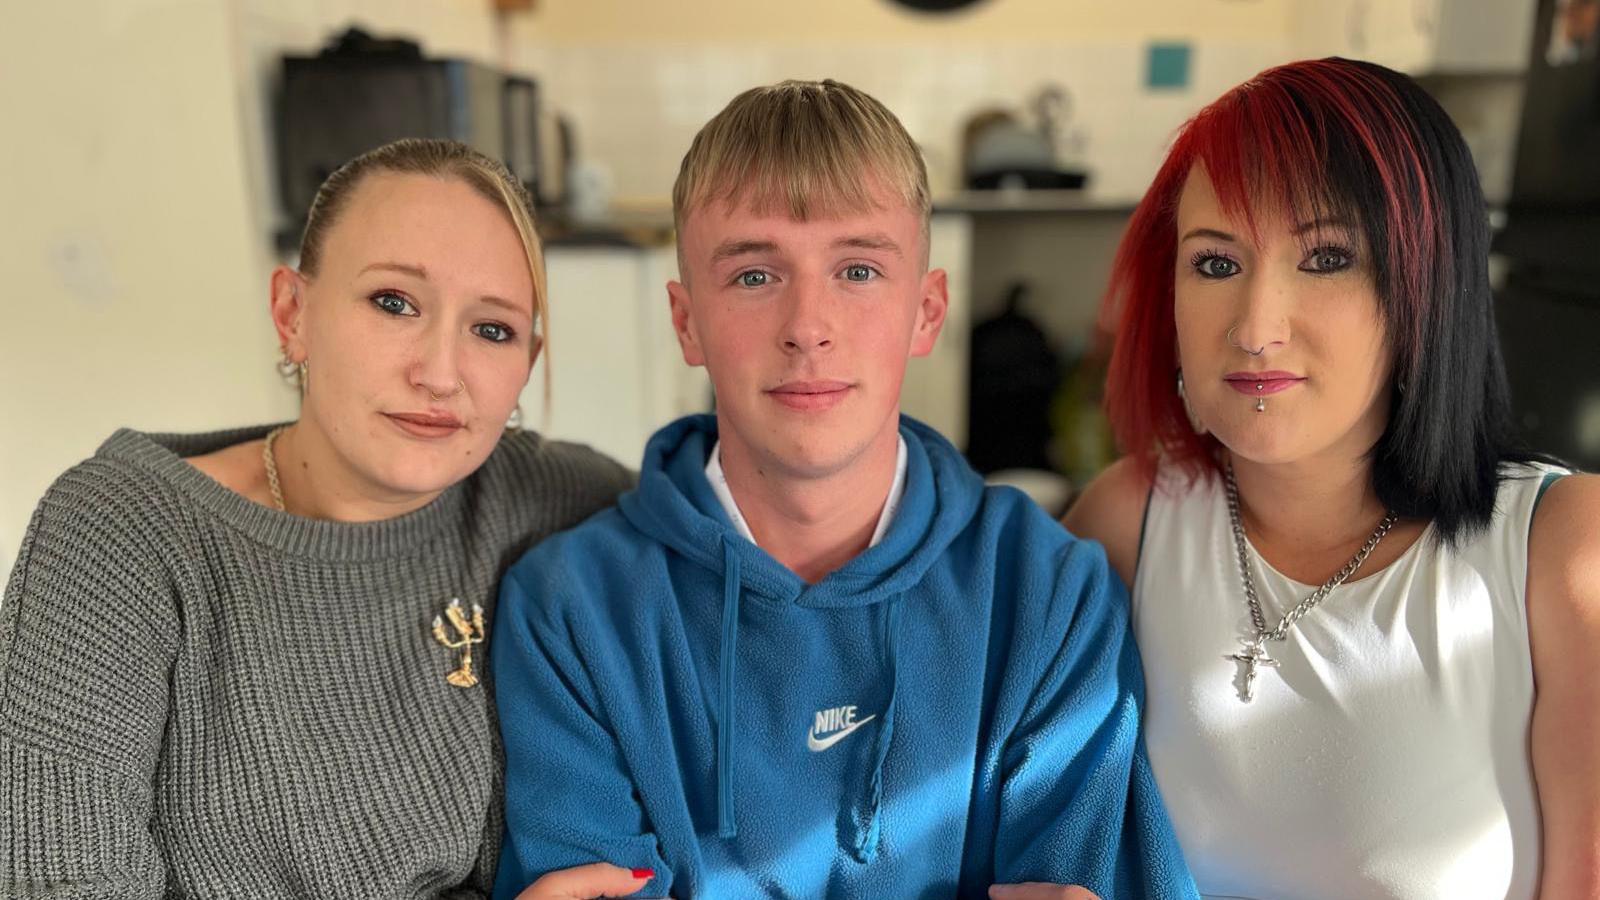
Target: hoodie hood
[(675, 505)]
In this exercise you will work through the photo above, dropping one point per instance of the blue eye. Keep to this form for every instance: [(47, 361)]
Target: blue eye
[(752, 279), (1214, 265), (393, 304), (859, 273), (493, 331), (1327, 260)]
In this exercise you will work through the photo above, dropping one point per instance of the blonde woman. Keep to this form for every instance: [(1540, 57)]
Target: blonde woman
[(249, 663)]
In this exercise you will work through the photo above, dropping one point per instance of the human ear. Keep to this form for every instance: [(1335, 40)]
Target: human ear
[(683, 323), (931, 310), (288, 303)]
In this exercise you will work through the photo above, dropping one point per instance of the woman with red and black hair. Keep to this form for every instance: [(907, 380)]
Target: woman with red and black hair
[(1369, 621)]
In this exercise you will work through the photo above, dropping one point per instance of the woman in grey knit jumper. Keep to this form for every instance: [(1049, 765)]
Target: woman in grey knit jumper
[(250, 663)]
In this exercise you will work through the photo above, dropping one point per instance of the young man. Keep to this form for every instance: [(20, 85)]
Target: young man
[(812, 655)]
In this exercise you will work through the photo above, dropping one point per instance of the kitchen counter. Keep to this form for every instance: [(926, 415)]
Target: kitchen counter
[(1020, 201)]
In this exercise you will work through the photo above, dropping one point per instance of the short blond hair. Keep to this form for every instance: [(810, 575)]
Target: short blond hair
[(808, 148)]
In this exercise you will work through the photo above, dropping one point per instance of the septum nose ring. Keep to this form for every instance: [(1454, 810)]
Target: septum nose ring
[(460, 386), (1231, 343)]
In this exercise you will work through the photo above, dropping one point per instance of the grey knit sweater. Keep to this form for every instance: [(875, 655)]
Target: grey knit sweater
[(204, 697)]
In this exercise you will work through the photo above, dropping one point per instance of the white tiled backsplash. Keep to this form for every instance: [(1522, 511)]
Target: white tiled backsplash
[(636, 106)]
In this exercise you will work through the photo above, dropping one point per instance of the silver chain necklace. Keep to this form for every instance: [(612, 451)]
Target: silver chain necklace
[(1254, 653)]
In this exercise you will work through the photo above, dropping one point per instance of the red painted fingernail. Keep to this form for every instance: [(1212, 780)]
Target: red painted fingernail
[(644, 873)]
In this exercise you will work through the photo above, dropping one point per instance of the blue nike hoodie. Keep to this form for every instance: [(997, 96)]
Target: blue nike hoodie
[(957, 706)]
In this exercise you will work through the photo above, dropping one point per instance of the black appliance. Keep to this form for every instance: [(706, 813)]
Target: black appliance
[(361, 92), (1548, 307)]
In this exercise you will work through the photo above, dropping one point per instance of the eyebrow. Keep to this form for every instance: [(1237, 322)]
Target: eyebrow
[(503, 303), (1210, 233), (421, 272), (1314, 224), (874, 241), (403, 268), (732, 249), (1300, 229)]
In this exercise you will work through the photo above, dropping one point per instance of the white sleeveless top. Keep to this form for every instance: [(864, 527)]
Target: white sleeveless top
[(1387, 756)]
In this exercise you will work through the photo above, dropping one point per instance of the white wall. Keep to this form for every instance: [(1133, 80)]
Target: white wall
[(138, 208), (136, 175), (879, 21), (679, 61), (131, 293)]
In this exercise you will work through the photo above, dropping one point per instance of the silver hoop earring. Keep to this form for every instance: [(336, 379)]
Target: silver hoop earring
[(293, 372), (515, 422), (1231, 343)]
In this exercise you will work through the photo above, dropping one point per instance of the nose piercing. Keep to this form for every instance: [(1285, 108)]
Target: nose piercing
[(1241, 346), (460, 386)]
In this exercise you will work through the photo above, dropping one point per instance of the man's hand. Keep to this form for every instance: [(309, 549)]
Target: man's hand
[(587, 883), (1034, 890)]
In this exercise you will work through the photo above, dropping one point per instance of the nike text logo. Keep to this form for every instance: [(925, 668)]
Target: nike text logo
[(837, 723)]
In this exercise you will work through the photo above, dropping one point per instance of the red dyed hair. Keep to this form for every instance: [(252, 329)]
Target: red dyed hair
[(1328, 137)]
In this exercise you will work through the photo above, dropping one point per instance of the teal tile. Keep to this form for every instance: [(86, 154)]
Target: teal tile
[(1167, 67)]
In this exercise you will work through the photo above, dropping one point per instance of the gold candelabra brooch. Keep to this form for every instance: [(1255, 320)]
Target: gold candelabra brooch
[(467, 634)]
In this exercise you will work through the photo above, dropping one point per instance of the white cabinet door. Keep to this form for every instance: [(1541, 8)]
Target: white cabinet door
[(1331, 28), (1484, 35), (616, 374), (1404, 33), (1418, 36)]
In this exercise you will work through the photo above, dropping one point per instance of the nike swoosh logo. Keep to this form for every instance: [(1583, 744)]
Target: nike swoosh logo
[(816, 745)]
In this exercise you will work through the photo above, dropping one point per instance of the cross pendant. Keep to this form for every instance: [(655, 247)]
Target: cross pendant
[(1253, 655)]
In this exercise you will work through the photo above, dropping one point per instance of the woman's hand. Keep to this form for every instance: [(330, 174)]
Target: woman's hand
[(587, 883), (1033, 890)]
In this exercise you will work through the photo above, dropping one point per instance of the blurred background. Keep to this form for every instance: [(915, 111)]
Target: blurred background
[(158, 156)]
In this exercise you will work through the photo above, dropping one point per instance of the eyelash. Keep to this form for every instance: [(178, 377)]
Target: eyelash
[(1204, 256), (738, 278), (508, 333), (377, 301), (1331, 249), (873, 270)]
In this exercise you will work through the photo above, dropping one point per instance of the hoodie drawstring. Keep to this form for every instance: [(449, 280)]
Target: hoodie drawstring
[(866, 849), (731, 587), (867, 843)]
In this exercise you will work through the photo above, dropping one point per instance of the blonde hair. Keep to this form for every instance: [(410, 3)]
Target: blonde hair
[(808, 148), (441, 159)]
